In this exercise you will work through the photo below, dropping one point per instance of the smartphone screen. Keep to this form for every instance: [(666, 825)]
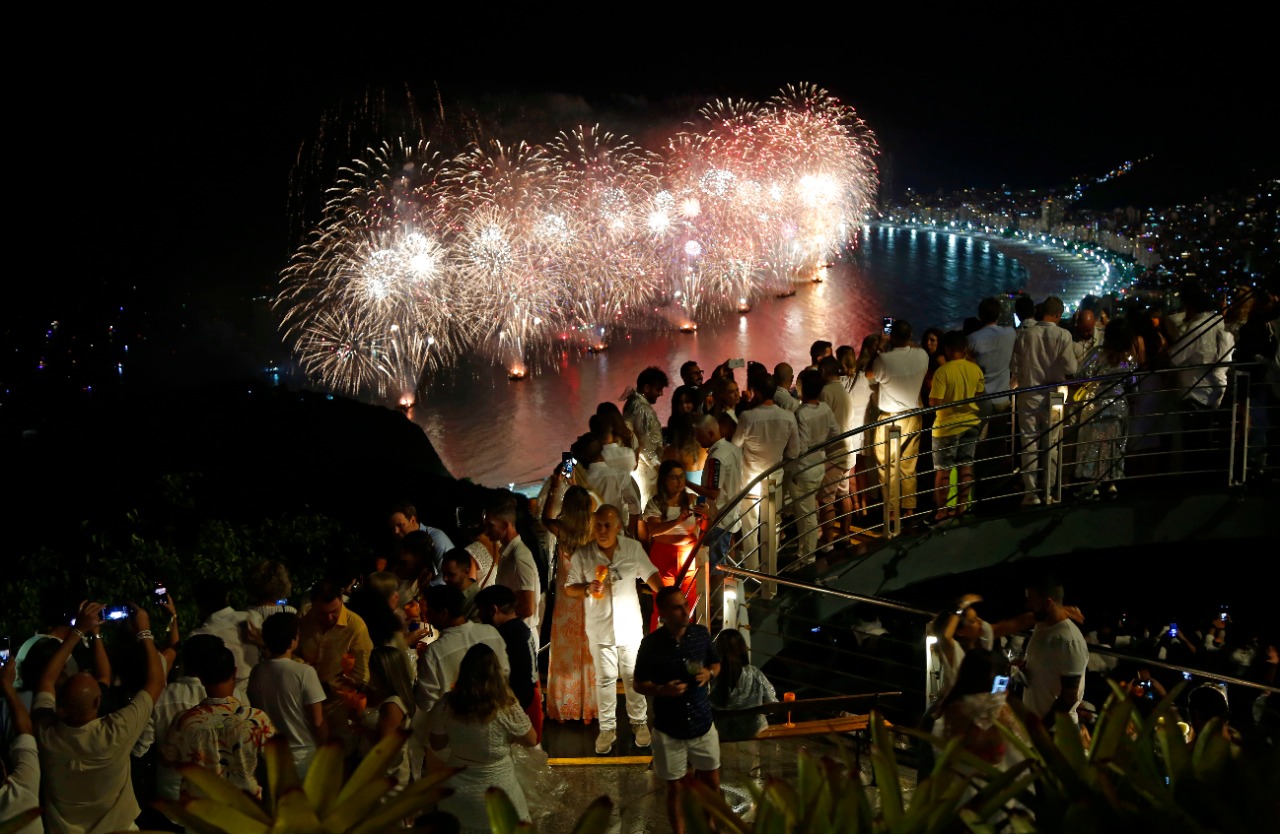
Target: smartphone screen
[(888, 324), (4, 649), (566, 463), (116, 612), (162, 593), (1000, 684)]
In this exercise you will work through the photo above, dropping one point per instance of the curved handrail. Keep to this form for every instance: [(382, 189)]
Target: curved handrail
[(999, 395), (925, 613)]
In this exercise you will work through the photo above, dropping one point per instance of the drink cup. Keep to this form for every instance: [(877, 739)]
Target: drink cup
[(602, 576)]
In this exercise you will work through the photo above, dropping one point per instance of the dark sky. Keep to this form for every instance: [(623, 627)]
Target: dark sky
[(169, 157)]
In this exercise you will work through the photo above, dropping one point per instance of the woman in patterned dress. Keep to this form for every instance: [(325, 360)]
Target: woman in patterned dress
[(571, 676)]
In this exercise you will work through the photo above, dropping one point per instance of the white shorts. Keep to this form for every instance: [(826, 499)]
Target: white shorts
[(672, 757)]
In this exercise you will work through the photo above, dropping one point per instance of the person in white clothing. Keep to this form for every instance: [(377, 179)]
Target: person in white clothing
[(438, 664), (604, 573), (221, 620), (610, 483), (784, 377), (767, 435), (516, 566), (639, 412), (84, 759), (1043, 354), (816, 425), (1203, 340), (836, 503), (20, 787), (899, 374), (289, 691), (185, 692), (1057, 656), (613, 452), (721, 483)]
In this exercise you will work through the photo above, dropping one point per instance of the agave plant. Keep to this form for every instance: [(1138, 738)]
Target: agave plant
[(1141, 774), (319, 804), (504, 819)]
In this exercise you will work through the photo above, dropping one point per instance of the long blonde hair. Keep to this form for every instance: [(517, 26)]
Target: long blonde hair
[(576, 519), (482, 689)]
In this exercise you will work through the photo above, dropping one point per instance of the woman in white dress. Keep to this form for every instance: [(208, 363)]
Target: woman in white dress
[(389, 706), (478, 720)]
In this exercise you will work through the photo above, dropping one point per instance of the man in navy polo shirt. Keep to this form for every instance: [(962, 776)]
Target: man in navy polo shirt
[(675, 666)]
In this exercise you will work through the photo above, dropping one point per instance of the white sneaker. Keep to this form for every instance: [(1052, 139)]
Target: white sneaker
[(643, 737), (1031, 500), (604, 741)]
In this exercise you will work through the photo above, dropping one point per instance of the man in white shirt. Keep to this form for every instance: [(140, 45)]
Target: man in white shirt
[(185, 692), (766, 434), (644, 421), (20, 790), (439, 663), (289, 691), (1042, 355), (834, 499), (516, 566), (816, 424), (221, 620), (613, 622), (610, 483), (899, 375), (785, 377), (1057, 656), (721, 483), (85, 759), (1203, 340)]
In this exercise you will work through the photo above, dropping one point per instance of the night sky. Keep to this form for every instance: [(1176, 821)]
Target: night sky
[(168, 159)]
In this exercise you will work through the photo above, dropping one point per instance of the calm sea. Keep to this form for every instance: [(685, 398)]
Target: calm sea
[(497, 432)]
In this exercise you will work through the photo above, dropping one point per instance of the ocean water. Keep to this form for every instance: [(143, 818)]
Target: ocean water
[(497, 432)]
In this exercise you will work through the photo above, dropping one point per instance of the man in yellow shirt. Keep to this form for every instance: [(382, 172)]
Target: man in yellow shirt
[(329, 631), (955, 428)]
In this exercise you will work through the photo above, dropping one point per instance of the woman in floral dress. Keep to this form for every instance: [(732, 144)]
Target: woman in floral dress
[(571, 676)]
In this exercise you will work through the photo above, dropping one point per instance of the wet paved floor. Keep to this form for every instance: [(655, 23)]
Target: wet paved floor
[(639, 796)]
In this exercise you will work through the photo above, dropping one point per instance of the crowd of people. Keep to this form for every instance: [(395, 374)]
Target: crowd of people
[(442, 643), (1058, 669)]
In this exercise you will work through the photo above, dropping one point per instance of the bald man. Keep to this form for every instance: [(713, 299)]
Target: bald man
[(784, 376), (1086, 335), (604, 573), (84, 758)]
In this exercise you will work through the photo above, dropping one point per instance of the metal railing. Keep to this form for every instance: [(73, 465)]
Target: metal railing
[(1092, 437), (838, 651), (1088, 436)]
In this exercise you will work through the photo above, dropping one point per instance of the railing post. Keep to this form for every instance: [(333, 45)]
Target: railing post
[(893, 482), (1053, 466), (768, 528), (704, 579), (1243, 418), (730, 604)]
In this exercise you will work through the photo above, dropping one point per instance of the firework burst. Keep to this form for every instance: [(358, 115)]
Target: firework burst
[(505, 249)]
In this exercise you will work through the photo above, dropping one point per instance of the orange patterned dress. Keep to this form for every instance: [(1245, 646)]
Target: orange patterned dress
[(571, 676)]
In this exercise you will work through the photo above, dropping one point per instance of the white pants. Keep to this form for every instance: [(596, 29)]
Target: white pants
[(1033, 425), (611, 663), (803, 487)]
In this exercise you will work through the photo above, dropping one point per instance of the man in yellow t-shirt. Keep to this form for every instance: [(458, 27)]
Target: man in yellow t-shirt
[(955, 428)]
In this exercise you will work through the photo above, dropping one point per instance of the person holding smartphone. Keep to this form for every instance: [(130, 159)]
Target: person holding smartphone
[(975, 706), (85, 759), (20, 790)]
